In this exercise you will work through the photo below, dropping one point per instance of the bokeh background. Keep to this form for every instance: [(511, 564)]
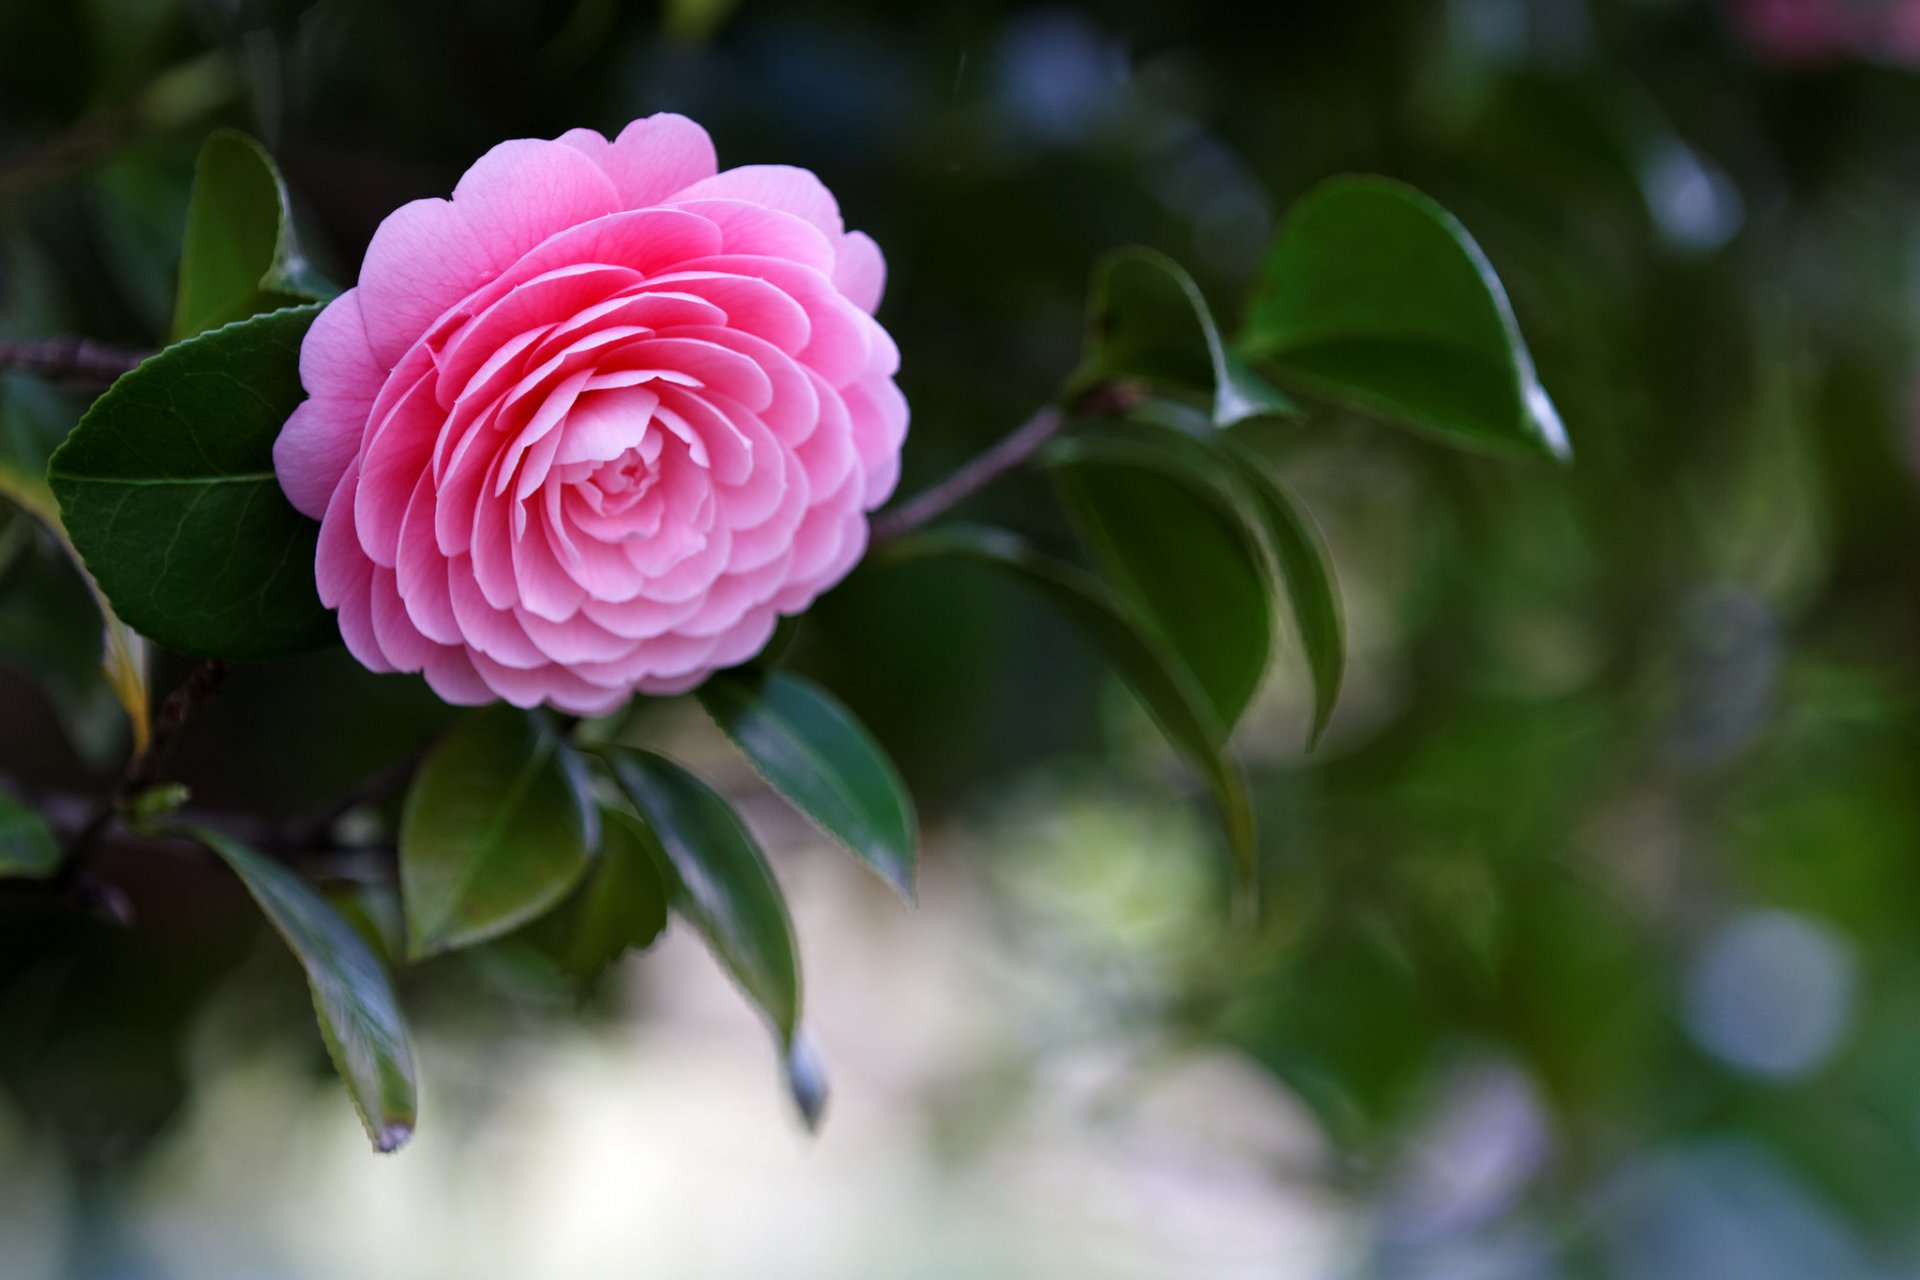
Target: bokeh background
[(1593, 934)]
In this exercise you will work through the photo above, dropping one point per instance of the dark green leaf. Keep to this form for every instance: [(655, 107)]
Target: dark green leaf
[(817, 755), (620, 906), (360, 1019), (1163, 685), (1307, 572), (1147, 320), (721, 885), (27, 848), (1167, 531), (168, 490), (1376, 295), (240, 256), (498, 826)]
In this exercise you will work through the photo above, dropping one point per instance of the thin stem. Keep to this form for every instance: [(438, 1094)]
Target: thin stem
[(930, 504), (69, 359), (143, 767), (1009, 453)]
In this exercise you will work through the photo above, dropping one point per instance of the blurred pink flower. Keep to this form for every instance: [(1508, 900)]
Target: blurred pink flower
[(592, 425), (1807, 31)]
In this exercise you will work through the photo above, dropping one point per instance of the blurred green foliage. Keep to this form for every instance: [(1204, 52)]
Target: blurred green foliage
[(1594, 717)]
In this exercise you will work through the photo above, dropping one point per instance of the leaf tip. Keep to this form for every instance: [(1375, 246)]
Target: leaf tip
[(392, 1136), (1548, 425), (902, 881), (807, 1080)]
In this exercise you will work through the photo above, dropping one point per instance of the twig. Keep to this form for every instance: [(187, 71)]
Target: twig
[(1010, 452), (69, 359), (142, 770)]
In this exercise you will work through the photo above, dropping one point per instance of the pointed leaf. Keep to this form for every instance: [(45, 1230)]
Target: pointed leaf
[(722, 884), (806, 1077), (1164, 528), (27, 849), (498, 826), (1293, 556), (240, 256), (812, 750), (360, 1019), (1148, 320), (1163, 686), (1307, 571), (1376, 295), (168, 490), (621, 905)]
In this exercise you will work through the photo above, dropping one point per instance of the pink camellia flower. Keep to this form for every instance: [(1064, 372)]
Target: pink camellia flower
[(592, 425)]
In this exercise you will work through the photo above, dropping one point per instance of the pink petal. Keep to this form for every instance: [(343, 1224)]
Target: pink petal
[(860, 271), (399, 639), (553, 685), (314, 449), (549, 299), (421, 570), (546, 588), (423, 259), (878, 413), (657, 155), (525, 190), (747, 304), (451, 674), (755, 230), (396, 455), (775, 186), (494, 632)]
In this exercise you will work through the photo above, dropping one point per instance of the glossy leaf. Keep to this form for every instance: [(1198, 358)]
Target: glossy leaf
[(721, 885), (27, 849), (621, 905), (360, 1019), (498, 827), (167, 488), (1307, 572), (240, 256), (812, 750), (1147, 320), (1375, 295), (1163, 685), (1172, 539)]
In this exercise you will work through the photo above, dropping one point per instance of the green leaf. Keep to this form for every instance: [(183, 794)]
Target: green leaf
[(497, 827), (1163, 527), (360, 1019), (168, 490), (721, 883), (1375, 295), (620, 906), (1147, 320), (812, 750), (1307, 572), (240, 256), (1168, 692), (27, 849)]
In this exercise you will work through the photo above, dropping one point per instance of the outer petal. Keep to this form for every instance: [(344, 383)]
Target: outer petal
[(656, 156), (775, 186), (313, 451), (525, 190), (860, 271), (424, 258)]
